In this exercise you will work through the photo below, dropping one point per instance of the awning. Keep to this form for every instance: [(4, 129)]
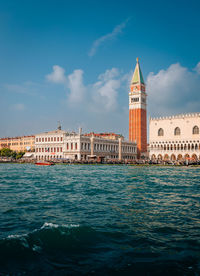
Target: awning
[(28, 155)]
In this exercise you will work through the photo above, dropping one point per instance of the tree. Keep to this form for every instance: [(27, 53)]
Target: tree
[(20, 154), (14, 154), (5, 152)]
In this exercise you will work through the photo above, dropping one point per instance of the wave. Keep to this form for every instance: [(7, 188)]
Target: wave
[(49, 246), (50, 235)]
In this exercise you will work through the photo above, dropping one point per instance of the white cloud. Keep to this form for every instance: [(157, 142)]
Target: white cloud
[(18, 107), (174, 90), (117, 30), (106, 90), (197, 68), (100, 95), (57, 76), (76, 86), (109, 74)]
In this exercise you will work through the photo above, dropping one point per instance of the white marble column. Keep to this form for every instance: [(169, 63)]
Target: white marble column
[(120, 149), (92, 145)]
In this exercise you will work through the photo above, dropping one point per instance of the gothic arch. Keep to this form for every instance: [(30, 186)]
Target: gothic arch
[(192, 146), (187, 156), (181, 146), (179, 157), (166, 157), (167, 147), (173, 157), (159, 156), (174, 146), (153, 157), (194, 157)]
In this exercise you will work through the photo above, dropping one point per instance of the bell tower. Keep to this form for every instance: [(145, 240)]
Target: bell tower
[(137, 111)]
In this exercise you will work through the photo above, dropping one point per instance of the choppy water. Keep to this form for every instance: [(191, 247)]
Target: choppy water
[(99, 220)]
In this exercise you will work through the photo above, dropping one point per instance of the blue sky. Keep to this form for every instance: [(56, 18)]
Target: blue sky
[(71, 61)]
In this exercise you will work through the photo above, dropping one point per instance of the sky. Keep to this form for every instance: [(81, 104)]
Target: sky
[(72, 61)]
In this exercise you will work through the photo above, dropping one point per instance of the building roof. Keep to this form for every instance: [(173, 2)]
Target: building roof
[(57, 131), (18, 137), (105, 135), (137, 75)]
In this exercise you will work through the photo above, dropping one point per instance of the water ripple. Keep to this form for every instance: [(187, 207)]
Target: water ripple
[(107, 220)]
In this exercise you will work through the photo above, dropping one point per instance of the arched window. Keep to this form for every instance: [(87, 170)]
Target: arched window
[(160, 132), (195, 130), (167, 147), (177, 131), (181, 147)]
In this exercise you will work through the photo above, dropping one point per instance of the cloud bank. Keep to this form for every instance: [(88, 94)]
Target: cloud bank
[(170, 91), (97, 96), (174, 90)]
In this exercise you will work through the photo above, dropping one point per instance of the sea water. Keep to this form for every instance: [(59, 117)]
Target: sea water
[(99, 220)]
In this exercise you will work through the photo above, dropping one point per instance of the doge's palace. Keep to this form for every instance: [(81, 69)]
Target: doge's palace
[(175, 137)]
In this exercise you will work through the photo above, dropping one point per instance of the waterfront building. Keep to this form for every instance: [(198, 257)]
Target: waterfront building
[(20, 143), (49, 145), (61, 144), (175, 137), (137, 111), (106, 135)]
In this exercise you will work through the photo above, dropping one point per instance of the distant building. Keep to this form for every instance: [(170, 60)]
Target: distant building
[(175, 137), (49, 145), (105, 135), (20, 143), (137, 111), (70, 145)]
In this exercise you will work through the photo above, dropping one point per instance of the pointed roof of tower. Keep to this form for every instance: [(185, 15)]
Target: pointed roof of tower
[(137, 75)]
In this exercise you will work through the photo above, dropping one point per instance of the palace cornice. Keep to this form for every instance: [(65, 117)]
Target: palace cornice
[(178, 116)]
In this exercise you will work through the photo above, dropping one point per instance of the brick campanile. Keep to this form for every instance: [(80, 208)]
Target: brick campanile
[(137, 111)]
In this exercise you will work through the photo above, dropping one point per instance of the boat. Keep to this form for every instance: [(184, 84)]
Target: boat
[(45, 163)]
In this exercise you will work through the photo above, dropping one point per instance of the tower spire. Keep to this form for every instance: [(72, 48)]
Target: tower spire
[(137, 75)]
